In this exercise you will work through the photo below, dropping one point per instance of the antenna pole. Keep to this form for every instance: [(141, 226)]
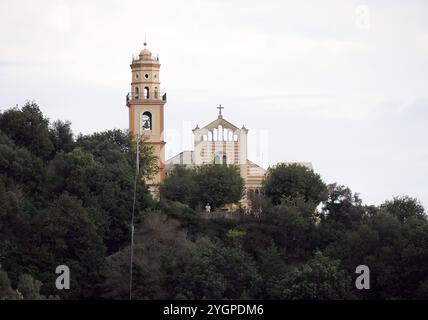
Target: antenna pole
[(137, 171)]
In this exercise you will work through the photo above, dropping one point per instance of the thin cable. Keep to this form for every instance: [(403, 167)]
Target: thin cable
[(137, 171)]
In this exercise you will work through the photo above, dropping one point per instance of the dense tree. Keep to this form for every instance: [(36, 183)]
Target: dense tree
[(219, 184), (158, 241), (101, 171), (272, 271), (396, 253), (341, 212), (404, 208), (21, 169), (181, 186), (27, 289), (66, 235), (61, 136), (292, 228), (28, 128), (214, 184), (319, 279), (69, 201), (294, 181), (6, 291), (214, 271), (115, 147)]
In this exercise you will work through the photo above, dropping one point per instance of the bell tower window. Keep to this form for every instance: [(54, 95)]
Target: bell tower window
[(146, 93), (146, 121)]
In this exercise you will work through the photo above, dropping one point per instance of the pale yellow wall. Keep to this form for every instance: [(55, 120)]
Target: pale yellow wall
[(155, 105), (156, 134), (152, 83)]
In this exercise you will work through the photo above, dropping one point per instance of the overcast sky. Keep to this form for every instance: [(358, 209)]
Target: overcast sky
[(342, 84)]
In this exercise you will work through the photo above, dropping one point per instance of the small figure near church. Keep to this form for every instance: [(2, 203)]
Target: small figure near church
[(208, 208)]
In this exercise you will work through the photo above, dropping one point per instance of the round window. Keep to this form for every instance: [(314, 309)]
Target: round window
[(146, 76), (137, 76)]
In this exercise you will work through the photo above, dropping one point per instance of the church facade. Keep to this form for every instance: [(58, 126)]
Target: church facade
[(219, 142)]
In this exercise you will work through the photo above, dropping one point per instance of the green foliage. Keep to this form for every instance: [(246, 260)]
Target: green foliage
[(68, 236), (294, 181), (27, 289), (320, 279), (214, 184), (61, 136), (20, 168), (158, 242), (396, 253), (69, 201), (235, 233), (405, 208), (64, 201), (219, 184), (341, 212), (197, 277), (116, 148), (189, 218), (6, 291), (29, 129), (343, 206), (213, 271), (180, 185), (292, 230)]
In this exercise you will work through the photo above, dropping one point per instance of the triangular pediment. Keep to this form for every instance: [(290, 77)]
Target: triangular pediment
[(220, 121)]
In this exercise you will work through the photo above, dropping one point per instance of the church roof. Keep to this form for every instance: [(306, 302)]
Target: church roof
[(220, 121)]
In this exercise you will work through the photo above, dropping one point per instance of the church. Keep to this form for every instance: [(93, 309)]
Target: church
[(219, 142)]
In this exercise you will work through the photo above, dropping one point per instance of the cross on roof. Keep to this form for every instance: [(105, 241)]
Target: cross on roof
[(219, 109)]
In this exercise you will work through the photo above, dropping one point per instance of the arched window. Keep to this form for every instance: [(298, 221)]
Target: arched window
[(146, 121), (156, 93), (210, 136), (215, 134), (220, 133), (217, 159), (225, 134), (230, 136), (235, 137), (137, 93), (220, 159), (204, 137), (146, 93)]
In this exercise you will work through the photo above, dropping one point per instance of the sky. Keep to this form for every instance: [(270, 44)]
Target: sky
[(340, 84)]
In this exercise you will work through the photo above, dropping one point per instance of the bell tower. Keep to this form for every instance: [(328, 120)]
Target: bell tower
[(146, 108)]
